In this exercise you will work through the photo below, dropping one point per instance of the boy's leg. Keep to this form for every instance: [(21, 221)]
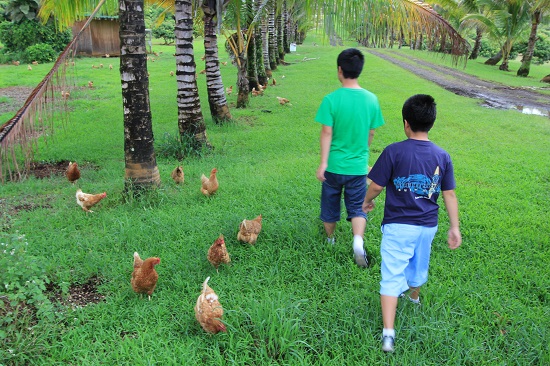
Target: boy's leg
[(358, 225), (329, 228), (355, 190), (331, 193), (396, 249), (417, 269), (414, 293), (389, 306)]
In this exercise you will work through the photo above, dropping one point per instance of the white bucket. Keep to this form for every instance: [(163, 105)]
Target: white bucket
[(293, 47)]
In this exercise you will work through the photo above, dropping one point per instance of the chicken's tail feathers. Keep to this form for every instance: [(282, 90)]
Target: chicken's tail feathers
[(243, 223), (137, 259), (205, 284)]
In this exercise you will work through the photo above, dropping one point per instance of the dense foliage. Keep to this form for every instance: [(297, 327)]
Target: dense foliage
[(17, 37)]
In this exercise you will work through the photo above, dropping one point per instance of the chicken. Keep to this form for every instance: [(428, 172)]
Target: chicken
[(224, 63), (203, 57), (229, 90), (72, 173), (87, 201), (16, 63), (110, 66), (209, 311), (144, 277), (34, 62), (90, 84), (256, 92), (203, 71), (209, 185), (249, 230), (283, 101), (29, 67), (65, 94), (171, 73), (217, 254), (100, 66), (273, 82), (177, 175)]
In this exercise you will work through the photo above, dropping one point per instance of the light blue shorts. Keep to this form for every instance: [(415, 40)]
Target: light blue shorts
[(405, 251)]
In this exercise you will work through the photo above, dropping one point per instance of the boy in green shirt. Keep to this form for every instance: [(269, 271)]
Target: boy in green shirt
[(349, 116)]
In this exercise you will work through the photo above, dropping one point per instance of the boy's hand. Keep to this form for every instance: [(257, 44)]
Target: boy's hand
[(368, 206), (321, 172), (454, 238)]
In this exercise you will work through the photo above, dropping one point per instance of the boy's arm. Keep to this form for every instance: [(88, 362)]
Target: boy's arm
[(454, 237), (373, 192), (326, 140), (371, 136)]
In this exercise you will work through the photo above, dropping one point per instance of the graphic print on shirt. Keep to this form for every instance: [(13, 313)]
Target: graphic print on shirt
[(420, 184)]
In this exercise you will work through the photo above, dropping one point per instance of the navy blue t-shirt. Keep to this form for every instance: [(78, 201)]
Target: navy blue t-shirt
[(414, 172)]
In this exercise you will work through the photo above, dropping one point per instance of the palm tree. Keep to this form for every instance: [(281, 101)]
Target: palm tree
[(411, 17), (191, 124), (505, 21), (538, 9), (216, 94), (141, 169), (454, 11), (139, 153)]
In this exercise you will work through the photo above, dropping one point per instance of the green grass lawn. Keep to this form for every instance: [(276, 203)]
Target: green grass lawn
[(291, 299)]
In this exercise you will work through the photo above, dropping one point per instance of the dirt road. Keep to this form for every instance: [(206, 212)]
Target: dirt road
[(494, 95)]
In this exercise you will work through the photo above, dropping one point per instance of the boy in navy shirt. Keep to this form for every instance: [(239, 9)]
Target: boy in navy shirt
[(414, 172)]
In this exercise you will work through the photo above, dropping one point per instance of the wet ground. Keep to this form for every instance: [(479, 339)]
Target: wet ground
[(492, 94)]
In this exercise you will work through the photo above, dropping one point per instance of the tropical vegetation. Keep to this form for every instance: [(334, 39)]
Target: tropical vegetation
[(291, 299)]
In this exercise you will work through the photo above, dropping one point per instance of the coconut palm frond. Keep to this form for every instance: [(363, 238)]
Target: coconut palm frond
[(46, 103)]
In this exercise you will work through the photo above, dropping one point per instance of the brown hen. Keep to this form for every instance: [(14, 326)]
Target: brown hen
[(144, 277), (249, 230), (209, 185), (209, 311), (73, 173), (86, 200), (217, 254), (177, 175)]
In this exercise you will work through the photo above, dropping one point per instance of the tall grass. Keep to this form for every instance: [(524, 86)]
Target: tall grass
[(292, 298)]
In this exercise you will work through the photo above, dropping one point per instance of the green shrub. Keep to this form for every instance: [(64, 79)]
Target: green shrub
[(18, 37), (41, 52), (23, 280), (541, 53), (166, 31)]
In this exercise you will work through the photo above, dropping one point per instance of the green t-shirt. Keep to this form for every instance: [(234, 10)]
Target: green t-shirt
[(351, 113)]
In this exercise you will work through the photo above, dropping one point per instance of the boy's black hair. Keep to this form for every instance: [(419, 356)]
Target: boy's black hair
[(351, 62), (419, 110)]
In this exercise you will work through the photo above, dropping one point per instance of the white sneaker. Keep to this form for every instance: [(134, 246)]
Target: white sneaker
[(361, 260), (331, 241), (387, 343)]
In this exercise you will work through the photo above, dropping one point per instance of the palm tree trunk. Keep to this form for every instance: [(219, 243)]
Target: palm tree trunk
[(265, 46), (141, 169), (216, 93), (505, 55), (477, 44), (528, 55), (495, 59), (285, 29), (251, 70), (190, 120), (272, 35), (242, 82)]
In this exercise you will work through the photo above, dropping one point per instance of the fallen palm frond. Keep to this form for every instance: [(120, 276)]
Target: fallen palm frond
[(46, 102)]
